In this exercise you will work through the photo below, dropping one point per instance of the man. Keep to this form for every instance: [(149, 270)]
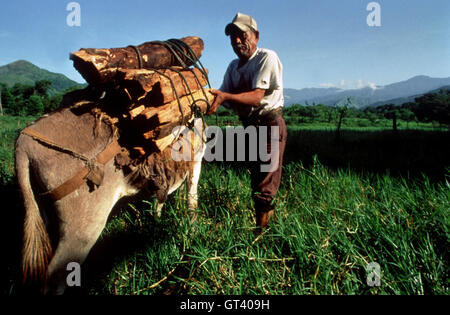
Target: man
[(253, 88)]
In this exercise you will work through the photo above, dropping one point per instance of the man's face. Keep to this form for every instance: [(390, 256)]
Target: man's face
[(244, 43)]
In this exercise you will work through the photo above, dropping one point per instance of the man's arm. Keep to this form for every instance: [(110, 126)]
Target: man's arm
[(252, 98)]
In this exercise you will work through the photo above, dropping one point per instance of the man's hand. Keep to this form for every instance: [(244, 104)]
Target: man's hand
[(251, 98), (218, 100)]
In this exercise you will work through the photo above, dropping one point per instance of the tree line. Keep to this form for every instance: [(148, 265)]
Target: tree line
[(429, 108), (30, 100), (36, 100)]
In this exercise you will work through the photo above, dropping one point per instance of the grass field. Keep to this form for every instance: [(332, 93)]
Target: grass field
[(9, 130), (329, 226), (370, 196)]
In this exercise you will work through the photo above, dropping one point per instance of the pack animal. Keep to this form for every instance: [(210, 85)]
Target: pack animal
[(57, 232)]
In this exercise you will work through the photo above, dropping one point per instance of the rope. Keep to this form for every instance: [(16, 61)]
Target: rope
[(186, 51), (139, 56), (192, 58), (180, 50), (45, 141)]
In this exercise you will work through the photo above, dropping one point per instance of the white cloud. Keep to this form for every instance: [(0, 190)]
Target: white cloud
[(362, 84), (346, 84), (342, 84), (327, 85), (372, 85)]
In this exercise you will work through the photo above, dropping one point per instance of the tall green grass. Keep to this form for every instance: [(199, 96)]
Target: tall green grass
[(9, 130), (340, 207), (329, 225)]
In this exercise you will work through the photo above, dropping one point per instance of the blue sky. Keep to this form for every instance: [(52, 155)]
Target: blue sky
[(320, 42)]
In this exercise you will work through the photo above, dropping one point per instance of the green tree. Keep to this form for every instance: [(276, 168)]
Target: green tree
[(390, 111), (8, 102), (324, 113), (52, 103), (298, 113), (42, 87), (33, 106), (372, 117), (434, 107), (407, 115), (22, 91), (342, 107)]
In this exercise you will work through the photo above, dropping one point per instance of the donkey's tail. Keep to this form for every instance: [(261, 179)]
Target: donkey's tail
[(37, 249)]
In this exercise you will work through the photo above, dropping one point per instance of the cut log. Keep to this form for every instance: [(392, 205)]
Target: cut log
[(154, 88), (160, 131), (136, 111), (161, 144), (187, 137), (152, 117), (98, 66)]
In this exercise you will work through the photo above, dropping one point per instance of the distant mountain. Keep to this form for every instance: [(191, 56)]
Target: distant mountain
[(25, 72), (367, 96), (402, 100), (293, 96)]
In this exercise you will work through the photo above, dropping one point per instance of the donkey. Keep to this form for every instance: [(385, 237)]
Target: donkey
[(57, 232)]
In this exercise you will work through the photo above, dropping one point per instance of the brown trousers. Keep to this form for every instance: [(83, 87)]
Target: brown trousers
[(265, 185)]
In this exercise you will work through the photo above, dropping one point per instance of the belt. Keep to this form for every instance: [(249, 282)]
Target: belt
[(258, 119), (91, 172)]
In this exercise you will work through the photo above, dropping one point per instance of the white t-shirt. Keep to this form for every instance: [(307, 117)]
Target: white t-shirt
[(262, 71)]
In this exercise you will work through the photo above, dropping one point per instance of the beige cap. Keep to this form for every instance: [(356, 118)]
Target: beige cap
[(244, 22)]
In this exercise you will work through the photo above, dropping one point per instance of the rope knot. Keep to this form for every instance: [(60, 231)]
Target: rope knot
[(96, 173)]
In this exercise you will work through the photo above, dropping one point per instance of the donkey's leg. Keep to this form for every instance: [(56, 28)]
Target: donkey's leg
[(178, 181), (192, 188), (82, 217), (78, 234)]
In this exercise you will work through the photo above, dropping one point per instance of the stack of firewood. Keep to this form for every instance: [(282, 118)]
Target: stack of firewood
[(161, 88)]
